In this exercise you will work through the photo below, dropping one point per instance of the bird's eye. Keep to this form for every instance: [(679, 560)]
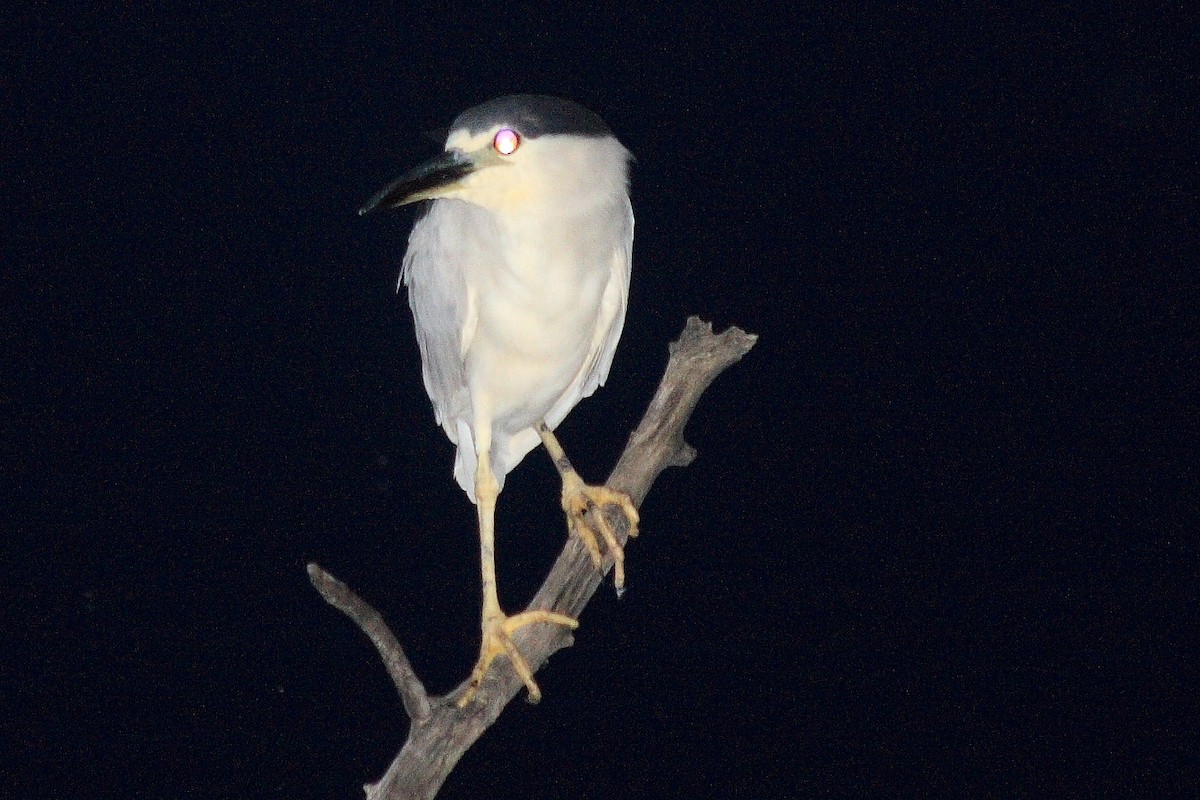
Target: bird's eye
[(506, 141)]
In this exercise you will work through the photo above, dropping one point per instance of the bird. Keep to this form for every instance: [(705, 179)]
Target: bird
[(518, 270)]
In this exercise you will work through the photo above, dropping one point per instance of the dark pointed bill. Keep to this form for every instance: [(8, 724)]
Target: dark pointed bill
[(421, 183)]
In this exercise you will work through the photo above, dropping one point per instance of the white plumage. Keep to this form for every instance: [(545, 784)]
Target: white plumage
[(518, 277), (521, 305)]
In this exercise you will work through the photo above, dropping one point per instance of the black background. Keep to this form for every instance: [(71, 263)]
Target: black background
[(941, 536)]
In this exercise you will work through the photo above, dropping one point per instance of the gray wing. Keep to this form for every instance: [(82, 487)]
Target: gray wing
[(441, 303), (612, 322), (619, 286)]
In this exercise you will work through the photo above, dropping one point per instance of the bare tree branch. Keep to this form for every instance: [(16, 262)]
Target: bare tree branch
[(341, 597), (442, 732)]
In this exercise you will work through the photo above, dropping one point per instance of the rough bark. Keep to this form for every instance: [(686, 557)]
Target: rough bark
[(440, 731)]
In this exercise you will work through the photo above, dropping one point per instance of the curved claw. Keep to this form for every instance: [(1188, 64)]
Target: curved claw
[(497, 640), (584, 506)]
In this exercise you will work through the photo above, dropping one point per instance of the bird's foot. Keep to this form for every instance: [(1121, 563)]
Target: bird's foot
[(585, 506), (497, 640)]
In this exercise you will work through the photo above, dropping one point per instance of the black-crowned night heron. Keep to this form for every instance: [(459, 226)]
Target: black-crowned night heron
[(518, 275)]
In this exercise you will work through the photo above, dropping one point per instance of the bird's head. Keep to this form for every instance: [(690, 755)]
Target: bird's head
[(516, 154)]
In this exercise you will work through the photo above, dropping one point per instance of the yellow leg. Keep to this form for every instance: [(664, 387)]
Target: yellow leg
[(584, 506), (497, 627)]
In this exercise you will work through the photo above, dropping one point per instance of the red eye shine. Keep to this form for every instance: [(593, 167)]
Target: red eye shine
[(506, 141)]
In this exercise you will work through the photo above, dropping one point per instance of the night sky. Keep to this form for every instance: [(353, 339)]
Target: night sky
[(940, 538)]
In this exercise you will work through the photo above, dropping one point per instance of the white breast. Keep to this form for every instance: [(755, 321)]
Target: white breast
[(539, 316)]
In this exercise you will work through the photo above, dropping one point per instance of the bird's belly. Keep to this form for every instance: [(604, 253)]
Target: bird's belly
[(531, 342)]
